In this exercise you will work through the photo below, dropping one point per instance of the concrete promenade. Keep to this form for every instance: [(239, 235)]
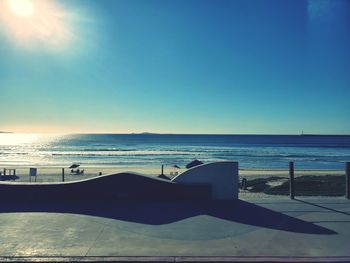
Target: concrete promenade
[(271, 229)]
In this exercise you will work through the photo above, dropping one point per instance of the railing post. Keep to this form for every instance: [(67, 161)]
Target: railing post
[(347, 180), (291, 180), (62, 174)]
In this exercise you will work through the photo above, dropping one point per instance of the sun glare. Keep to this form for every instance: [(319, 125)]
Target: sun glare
[(17, 138), (39, 23), (21, 7)]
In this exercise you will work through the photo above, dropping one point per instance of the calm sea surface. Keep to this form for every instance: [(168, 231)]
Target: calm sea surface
[(252, 151)]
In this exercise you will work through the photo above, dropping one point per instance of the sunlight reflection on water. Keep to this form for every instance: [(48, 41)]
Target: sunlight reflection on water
[(25, 139), (24, 148), (309, 152)]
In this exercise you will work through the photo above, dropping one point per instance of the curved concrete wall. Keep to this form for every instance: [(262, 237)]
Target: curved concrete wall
[(114, 187), (222, 176)]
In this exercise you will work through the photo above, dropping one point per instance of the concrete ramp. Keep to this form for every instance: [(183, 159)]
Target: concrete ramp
[(221, 176), (217, 181)]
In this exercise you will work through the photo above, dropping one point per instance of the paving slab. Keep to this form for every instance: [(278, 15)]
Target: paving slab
[(306, 229)]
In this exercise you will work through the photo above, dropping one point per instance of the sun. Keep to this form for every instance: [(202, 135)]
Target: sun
[(37, 24), (22, 7)]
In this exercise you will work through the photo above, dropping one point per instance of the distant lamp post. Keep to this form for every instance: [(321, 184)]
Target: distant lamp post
[(162, 175)]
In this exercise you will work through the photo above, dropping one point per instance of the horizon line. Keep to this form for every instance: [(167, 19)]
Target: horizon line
[(169, 133)]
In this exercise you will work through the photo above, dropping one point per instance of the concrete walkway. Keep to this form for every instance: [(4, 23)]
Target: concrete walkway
[(273, 229)]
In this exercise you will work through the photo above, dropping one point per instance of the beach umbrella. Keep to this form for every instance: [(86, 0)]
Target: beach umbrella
[(74, 165), (193, 164)]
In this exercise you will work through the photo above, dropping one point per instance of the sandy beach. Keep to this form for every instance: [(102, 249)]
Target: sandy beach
[(272, 177), (258, 179), (54, 173)]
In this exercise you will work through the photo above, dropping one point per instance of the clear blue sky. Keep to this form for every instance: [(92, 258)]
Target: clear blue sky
[(179, 66)]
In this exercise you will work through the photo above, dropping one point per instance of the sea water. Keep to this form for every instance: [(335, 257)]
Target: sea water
[(128, 150)]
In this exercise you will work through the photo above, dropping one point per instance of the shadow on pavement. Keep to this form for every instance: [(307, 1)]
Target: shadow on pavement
[(322, 206), (158, 213)]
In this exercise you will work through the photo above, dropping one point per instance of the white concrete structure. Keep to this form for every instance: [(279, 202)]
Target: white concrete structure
[(222, 176)]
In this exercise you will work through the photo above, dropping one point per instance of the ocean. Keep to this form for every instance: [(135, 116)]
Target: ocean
[(138, 150)]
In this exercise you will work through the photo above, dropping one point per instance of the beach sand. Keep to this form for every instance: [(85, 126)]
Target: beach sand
[(47, 174), (54, 174)]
